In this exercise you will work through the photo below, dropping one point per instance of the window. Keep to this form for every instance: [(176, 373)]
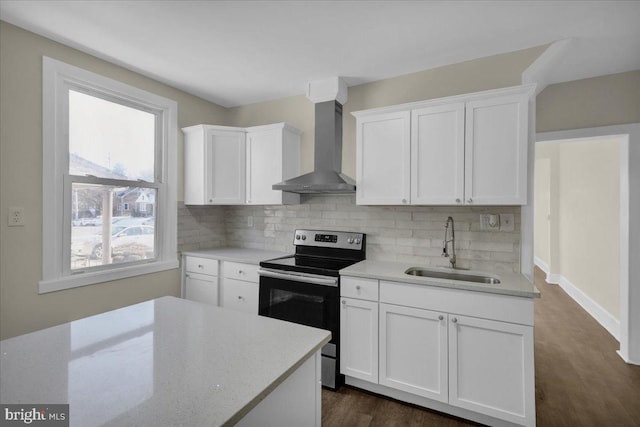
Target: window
[(109, 179)]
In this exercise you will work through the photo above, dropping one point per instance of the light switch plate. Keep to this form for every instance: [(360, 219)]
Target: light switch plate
[(15, 217), (507, 222)]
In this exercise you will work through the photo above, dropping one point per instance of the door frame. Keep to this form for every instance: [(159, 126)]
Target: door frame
[(629, 232)]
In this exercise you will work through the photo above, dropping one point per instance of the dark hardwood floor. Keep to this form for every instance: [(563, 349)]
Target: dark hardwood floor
[(580, 379)]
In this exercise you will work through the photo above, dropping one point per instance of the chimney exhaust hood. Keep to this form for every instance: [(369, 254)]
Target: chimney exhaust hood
[(328, 96)]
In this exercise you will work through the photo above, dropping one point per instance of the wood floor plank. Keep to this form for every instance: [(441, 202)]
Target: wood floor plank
[(580, 379)]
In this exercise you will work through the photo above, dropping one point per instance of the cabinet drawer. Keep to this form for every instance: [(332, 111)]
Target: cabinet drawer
[(201, 265), (238, 271), (504, 308), (240, 295), (356, 287)]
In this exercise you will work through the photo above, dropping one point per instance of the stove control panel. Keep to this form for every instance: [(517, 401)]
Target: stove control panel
[(333, 239)]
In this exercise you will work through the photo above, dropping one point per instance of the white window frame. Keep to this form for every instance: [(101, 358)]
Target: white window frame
[(57, 78)]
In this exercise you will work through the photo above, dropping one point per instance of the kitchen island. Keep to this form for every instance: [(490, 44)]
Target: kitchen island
[(169, 362)]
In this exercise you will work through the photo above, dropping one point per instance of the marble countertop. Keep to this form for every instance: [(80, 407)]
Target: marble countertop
[(166, 361), (245, 255), (510, 283)]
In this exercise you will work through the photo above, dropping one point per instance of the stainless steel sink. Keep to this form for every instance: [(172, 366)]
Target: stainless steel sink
[(467, 277)]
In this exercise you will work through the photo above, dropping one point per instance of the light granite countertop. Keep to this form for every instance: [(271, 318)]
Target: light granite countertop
[(245, 255), (510, 283), (166, 361)]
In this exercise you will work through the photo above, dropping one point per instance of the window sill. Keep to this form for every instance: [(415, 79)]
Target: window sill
[(92, 278)]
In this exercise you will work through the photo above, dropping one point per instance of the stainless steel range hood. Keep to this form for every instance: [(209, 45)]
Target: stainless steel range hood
[(326, 176)]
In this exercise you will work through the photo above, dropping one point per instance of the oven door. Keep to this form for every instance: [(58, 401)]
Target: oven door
[(310, 300)]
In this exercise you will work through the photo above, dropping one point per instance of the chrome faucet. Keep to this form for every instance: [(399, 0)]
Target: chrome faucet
[(445, 252)]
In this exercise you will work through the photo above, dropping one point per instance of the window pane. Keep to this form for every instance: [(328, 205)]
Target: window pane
[(120, 219), (110, 140)]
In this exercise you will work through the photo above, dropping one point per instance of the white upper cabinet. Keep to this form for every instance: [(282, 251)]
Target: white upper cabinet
[(273, 155), (236, 166), (437, 155), (467, 149), (496, 151), (383, 159), (214, 172)]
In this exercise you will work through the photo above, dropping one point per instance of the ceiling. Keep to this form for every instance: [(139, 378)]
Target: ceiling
[(240, 52)]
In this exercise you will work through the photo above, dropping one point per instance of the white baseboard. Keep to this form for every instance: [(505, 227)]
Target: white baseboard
[(630, 361), (541, 264), (552, 278), (602, 316)]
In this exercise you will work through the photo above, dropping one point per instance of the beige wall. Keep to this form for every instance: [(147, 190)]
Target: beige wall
[(471, 76), (21, 308), (584, 180), (600, 101), (298, 111)]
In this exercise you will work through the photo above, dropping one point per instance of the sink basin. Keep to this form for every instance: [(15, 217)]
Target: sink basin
[(467, 277)]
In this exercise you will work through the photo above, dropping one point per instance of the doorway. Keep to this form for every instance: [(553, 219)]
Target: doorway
[(605, 296)]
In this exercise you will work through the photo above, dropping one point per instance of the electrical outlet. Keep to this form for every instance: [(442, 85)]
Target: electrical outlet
[(250, 221), (489, 222), (15, 217), (507, 222)]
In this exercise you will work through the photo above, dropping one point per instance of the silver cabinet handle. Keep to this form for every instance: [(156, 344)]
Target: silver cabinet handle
[(458, 200), (240, 272), (404, 200), (240, 297), (441, 317), (469, 200), (357, 287), (344, 302), (454, 320), (200, 266)]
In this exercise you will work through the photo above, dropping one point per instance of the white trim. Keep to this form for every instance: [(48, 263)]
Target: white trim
[(528, 89), (91, 278), (602, 316), (538, 71), (541, 264), (57, 78), (629, 273)]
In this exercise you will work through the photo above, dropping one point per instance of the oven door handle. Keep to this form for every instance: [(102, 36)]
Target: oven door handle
[(300, 277)]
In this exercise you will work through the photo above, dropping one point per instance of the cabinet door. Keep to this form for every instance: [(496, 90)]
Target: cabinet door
[(383, 159), (240, 295), (413, 351), (491, 368), (496, 139), (201, 288), (225, 154), (264, 167), (437, 155), (359, 339)]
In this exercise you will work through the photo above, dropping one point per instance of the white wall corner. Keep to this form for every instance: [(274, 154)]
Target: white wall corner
[(539, 70)]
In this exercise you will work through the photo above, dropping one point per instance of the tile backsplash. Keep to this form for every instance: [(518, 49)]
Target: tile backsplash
[(396, 233)]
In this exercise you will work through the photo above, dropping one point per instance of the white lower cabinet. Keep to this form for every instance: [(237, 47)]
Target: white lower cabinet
[(200, 279), (413, 351), (491, 367), (431, 345), (239, 295), (202, 288), (240, 287), (359, 339)]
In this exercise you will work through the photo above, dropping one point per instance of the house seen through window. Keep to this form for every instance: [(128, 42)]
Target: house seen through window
[(113, 211)]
